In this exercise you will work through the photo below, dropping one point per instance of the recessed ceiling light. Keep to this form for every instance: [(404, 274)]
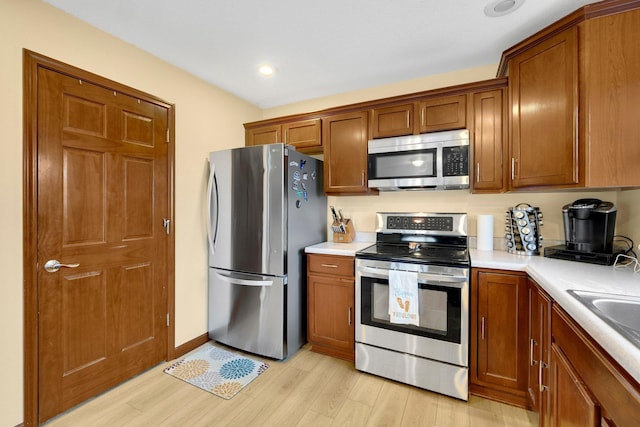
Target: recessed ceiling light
[(266, 70), (501, 7)]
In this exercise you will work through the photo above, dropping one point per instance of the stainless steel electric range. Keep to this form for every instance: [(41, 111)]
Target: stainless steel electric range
[(428, 346)]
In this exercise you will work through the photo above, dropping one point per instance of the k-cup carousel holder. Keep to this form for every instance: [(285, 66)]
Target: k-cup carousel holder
[(523, 224)]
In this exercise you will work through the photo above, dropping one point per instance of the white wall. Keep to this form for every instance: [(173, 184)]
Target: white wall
[(207, 118)]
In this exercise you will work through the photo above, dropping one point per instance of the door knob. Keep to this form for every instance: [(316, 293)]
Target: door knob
[(54, 265)]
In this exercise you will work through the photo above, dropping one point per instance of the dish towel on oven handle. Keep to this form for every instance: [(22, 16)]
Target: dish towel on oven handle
[(403, 297)]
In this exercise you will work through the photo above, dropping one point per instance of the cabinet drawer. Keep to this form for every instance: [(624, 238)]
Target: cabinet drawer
[(332, 264)]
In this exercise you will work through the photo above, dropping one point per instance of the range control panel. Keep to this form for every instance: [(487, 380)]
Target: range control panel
[(445, 224), (438, 223)]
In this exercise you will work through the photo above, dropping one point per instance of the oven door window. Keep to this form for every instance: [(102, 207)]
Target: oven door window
[(403, 164), (439, 310)]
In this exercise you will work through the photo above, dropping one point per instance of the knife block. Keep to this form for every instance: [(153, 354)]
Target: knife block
[(349, 231)]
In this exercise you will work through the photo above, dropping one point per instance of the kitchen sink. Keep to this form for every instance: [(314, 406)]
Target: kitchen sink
[(621, 312)]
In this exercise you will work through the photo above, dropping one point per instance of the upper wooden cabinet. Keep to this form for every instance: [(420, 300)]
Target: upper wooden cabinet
[(543, 87), (610, 100), (263, 135), (446, 113), (344, 138), (391, 121), (433, 114), (489, 141), (305, 135), (574, 95)]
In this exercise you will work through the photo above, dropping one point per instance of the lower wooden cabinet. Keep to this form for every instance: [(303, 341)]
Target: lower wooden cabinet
[(330, 305), (499, 336), (527, 351), (587, 387), (572, 404), (539, 351)]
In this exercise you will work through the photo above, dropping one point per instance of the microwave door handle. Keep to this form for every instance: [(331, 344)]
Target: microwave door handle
[(439, 160), (210, 182)]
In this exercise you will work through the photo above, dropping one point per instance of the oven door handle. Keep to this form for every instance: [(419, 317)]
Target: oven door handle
[(422, 277)]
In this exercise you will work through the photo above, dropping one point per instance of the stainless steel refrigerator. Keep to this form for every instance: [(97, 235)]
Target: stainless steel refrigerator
[(266, 203)]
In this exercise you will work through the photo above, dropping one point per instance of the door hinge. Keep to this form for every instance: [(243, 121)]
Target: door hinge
[(167, 141), (166, 224), (168, 319)]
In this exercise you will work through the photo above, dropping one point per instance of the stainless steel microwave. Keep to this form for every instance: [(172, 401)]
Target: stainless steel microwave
[(438, 161)]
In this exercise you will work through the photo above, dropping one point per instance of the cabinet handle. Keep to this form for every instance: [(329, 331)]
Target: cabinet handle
[(532, 343), (540, 366), (482, 327), (478, 172), (329, 265), (349, 318), (362, 179), (513, 168)]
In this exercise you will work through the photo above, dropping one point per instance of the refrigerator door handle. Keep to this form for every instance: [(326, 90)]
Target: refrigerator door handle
[(245, 282), (212, 174)]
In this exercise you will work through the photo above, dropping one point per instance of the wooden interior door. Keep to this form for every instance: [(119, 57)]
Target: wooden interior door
[(102, 189)]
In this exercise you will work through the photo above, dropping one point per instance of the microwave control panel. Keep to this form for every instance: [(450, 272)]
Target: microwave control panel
[(455, 161)]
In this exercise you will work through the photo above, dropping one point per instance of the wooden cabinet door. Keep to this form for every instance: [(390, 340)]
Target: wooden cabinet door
[(543, 87), (488, 141), (263, 135), (539, 351), (499, 328), (446, 113), (304, 135), (611, 100), (392, 121), (344, 139), (331, 315), (571, 401)]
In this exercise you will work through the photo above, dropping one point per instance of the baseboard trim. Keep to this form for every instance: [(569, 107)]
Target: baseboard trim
[(185, 348)]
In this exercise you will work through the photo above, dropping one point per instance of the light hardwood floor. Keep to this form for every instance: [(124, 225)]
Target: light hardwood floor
[(309, 389)]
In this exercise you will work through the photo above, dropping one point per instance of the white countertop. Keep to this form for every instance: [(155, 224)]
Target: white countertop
[(558, 276), (555, 277), (333, 248)]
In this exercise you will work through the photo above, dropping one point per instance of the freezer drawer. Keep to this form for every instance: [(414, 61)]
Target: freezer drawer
[(247, 312)]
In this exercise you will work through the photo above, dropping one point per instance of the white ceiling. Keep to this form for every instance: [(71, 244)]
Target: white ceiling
[(318, 48)]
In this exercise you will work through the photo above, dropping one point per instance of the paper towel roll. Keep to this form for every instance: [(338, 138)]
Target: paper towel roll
[(485, 233)]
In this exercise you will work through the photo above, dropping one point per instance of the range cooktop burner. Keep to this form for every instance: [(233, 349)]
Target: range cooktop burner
[(431, 254), (425, 238)]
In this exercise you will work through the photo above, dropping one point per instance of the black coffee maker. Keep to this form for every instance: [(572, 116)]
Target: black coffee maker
[(589, 225), (588, 233)]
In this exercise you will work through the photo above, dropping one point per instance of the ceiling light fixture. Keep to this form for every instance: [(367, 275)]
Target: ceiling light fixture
[(501, 7), (266, 70)]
